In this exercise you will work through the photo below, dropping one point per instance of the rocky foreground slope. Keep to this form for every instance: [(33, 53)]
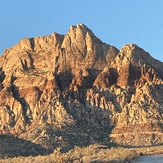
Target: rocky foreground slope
[(74, 89)]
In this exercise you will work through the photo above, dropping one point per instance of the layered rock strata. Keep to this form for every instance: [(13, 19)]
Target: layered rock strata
[(53, 87)]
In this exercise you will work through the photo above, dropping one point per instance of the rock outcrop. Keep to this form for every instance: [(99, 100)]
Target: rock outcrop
[(73, 89)]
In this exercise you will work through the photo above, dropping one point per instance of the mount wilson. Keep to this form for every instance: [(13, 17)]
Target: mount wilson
[(74, 89)]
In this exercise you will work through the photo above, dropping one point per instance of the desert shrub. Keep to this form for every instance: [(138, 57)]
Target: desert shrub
[(91, 153)]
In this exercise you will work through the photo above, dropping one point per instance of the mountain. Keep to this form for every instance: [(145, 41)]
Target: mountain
[(74, 89)]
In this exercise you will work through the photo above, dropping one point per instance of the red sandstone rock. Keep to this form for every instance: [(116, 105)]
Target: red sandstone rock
[(77, 80)]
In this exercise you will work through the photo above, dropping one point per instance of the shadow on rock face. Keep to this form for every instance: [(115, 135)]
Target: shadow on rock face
[(11, 146)]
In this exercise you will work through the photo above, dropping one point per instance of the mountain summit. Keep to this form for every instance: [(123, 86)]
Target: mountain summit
[(74, 89)]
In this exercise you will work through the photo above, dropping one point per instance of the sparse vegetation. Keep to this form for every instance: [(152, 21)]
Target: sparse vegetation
[(93, 153)]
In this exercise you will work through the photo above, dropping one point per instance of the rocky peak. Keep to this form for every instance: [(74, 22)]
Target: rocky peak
[(76, 84), (130, 63), (82, 33), (82, 49), (133, 54)]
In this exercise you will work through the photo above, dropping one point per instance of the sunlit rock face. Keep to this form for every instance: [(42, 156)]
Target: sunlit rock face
[(79, 85)]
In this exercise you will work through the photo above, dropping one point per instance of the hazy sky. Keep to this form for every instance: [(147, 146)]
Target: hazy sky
[(116, 22)]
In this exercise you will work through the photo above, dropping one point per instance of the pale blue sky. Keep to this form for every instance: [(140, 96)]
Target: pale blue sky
[(116, 22)]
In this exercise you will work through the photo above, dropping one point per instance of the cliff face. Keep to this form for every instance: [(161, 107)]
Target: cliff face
[(63, 90)]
